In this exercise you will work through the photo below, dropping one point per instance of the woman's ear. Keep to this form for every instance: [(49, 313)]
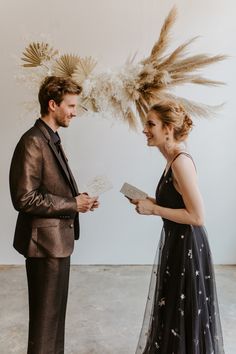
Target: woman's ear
[(169, 129)]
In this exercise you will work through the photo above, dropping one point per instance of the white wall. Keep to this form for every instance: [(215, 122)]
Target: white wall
[(111, 31)]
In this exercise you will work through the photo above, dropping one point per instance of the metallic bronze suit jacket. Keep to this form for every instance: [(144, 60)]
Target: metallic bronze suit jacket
[(42, 190)]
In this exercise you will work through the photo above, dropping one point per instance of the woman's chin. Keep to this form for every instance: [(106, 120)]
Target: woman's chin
[(149, 142)]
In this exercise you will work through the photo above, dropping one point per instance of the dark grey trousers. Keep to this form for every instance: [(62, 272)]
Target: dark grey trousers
[(48, 281)]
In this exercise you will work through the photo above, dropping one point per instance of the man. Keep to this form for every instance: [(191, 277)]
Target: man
[(45, 193)]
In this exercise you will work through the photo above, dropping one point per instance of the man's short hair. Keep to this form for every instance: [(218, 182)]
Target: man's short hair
[(55, 88)]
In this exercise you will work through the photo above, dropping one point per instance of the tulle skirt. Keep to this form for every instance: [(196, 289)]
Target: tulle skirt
[(182, 315)]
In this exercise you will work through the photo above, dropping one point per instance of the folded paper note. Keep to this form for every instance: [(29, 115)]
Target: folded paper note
[(98, 185), (132, 192)]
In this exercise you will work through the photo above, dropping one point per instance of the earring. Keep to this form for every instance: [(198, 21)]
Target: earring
[(168, 145)]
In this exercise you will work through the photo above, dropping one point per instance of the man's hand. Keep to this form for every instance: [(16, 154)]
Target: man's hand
[(86, 203), (95, 204)]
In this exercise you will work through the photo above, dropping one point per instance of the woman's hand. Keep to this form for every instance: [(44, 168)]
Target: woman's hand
[(144, 206)]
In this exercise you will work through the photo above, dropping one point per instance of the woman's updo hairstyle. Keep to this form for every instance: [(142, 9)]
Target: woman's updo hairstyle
[(173, 113)]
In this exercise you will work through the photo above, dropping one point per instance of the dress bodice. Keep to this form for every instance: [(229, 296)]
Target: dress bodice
[(166, 194)]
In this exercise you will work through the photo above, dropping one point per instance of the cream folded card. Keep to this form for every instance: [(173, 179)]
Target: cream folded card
[(132, 192), (98, 185)]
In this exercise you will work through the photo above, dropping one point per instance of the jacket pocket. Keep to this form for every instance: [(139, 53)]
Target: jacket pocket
[(53, 237)]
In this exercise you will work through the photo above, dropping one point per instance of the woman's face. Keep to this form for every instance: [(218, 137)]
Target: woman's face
[(154, 130)]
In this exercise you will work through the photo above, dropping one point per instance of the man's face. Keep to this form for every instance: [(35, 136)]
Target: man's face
[(64, 112)]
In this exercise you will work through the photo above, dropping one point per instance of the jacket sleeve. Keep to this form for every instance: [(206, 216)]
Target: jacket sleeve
[(27, 193)]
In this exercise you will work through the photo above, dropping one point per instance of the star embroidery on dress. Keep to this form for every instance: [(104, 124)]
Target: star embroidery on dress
[(174, 333), (181, 312), (190, 254), (162, 302), (197, 272), (182, 296)]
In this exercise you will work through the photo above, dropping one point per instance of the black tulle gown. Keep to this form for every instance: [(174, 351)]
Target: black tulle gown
[(182, 315)]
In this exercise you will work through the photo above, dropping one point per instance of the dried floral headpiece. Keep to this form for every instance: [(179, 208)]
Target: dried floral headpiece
[(128, 92)]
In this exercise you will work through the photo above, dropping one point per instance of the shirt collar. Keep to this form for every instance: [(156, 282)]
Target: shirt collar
[(54, 135)]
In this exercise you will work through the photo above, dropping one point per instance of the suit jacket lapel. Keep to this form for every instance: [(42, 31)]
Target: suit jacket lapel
[(62, 161), (72, 180)]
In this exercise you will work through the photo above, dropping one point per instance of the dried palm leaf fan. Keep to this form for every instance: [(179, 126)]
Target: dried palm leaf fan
[(83, 69), (38, 53), (66, 65)]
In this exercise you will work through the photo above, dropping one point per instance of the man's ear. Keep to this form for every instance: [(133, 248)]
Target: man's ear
[(52, 105)]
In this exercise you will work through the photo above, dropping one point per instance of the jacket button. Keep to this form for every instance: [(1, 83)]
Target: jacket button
[(71, 226)]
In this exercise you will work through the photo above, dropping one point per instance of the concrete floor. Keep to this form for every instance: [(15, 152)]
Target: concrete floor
[(105, 308)]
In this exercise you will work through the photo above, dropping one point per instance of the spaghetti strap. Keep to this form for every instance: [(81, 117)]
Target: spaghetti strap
[(183, 153), (179, 153)]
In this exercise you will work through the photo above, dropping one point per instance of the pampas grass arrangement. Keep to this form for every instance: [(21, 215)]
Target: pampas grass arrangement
[(128, 93)]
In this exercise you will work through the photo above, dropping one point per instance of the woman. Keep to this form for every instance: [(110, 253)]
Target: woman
[(182, 314)]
